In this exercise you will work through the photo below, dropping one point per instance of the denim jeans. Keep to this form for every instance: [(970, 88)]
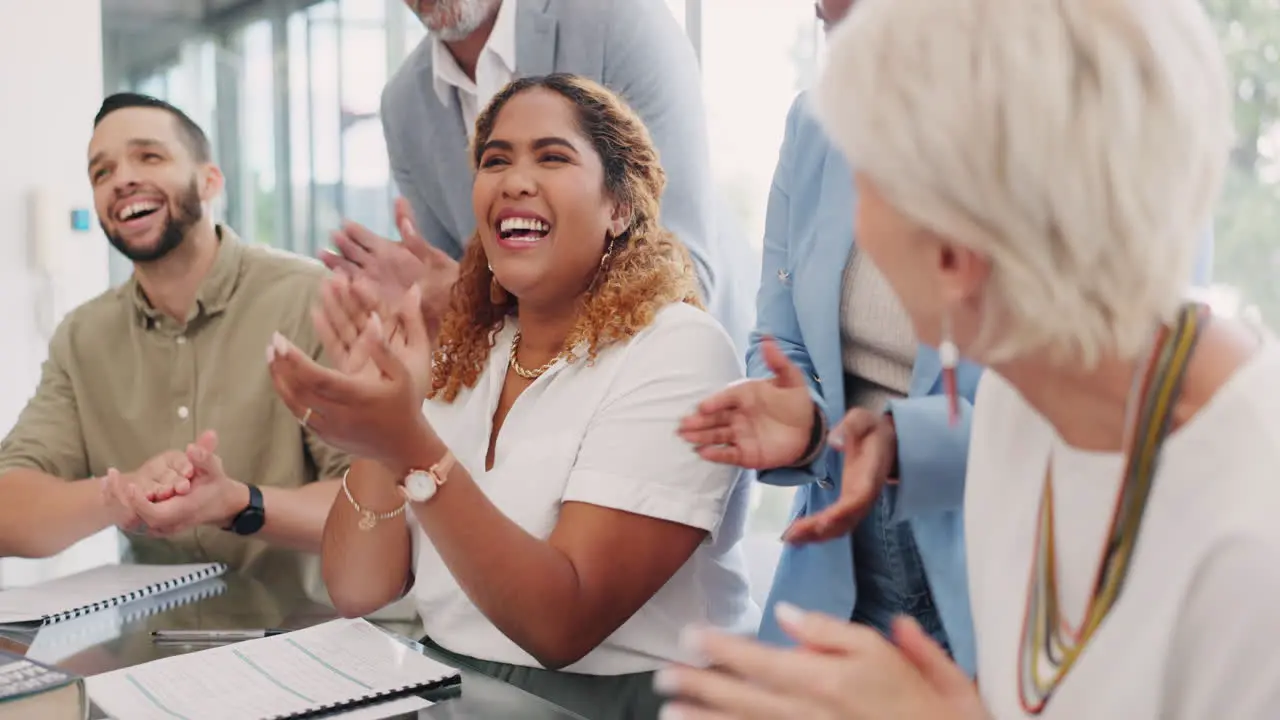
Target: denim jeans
[(889, 574)]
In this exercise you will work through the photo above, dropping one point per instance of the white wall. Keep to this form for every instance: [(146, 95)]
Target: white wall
[(50, 88)]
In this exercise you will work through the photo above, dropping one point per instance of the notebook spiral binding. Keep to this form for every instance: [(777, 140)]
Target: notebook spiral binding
[(148, 591), (369, 699), (53, 643)]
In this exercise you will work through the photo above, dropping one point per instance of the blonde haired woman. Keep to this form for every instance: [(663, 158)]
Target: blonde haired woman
[(1032, 175)]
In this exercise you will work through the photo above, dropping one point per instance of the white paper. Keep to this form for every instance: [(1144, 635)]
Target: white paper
[(83, 589), (337, 662), (399, 706)]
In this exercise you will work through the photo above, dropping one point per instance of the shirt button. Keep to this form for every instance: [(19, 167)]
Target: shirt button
[(183, 412)]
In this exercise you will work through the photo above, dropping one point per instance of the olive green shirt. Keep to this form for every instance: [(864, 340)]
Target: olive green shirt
[(124, 382)]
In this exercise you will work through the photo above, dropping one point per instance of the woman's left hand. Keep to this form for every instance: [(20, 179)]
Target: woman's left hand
[(377, 415), (841, 671)]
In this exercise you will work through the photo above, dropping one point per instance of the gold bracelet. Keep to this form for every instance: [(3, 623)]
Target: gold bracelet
[(368, 518)]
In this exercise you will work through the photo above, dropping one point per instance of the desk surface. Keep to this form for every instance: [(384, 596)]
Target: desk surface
[(247, 603)]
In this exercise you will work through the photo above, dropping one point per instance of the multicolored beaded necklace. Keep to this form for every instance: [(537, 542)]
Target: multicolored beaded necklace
[(1050, 646)]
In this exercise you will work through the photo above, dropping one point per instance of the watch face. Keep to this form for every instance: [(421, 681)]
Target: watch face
[(419, 486), (250, 521)]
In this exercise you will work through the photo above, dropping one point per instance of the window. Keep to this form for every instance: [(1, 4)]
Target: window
[(301, 143), (253, 206), (366, 173), (1247, 246), (325, 113), (756, 56)]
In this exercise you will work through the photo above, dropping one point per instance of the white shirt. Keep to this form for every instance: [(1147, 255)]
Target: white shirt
[(603, 434), (1195, 634), (495, 68)]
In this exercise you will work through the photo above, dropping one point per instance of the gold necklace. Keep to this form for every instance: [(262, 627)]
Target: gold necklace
[(523, 371)]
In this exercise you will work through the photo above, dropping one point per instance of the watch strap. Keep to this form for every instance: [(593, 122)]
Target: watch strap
[(251, 519), (440, 470)]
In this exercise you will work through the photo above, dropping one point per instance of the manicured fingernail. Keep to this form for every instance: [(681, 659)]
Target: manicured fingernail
[(692, 640), (835, 439), (788, 614), (670, 712), (280, 344), (271, 353), (665, 682)]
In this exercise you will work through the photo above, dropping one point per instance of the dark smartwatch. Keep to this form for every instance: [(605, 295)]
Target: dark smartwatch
[(251, 519)]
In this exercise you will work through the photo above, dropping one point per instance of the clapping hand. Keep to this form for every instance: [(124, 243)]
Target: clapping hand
[(840, 671), (367, 407), (346, 306), (162, 477), (768, 423), (393, 267), (207, 497), (760, 424), (868, 443)]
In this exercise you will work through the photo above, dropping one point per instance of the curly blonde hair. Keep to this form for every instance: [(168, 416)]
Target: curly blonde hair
[(645, 267)]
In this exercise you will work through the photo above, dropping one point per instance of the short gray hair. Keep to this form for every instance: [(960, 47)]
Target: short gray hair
[(1079, 144)]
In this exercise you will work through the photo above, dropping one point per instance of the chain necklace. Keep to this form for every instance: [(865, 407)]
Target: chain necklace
[(525, 372), (1050, 646)]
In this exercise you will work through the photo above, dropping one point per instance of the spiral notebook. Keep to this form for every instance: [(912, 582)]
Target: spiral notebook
[(338, 665), (55, 643), (99, 588)]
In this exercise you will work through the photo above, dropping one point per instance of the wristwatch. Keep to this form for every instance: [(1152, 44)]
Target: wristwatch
[(251, 519), (421, 485)]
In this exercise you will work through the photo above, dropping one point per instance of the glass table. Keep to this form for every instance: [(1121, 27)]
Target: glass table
[(234, 602)]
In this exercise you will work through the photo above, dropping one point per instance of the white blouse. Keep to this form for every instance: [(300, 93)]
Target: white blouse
[(1195, 633), (603, 434)]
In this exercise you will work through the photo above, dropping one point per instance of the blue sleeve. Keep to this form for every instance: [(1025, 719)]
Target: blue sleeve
[(932, 455), (775, 309), (651, 64)]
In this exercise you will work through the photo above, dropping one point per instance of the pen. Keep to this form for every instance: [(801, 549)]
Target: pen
[(214, 635)]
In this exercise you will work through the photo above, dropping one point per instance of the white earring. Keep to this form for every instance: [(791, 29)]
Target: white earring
[(949, 357)]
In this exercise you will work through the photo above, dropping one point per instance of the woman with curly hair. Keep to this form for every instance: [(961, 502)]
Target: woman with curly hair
[(539, 505)]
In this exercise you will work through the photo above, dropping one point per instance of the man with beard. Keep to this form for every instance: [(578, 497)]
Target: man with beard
[(155, 411), (473, 49)]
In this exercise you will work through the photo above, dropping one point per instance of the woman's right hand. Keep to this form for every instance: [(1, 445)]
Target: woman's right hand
[(759, 424), (340, 319)]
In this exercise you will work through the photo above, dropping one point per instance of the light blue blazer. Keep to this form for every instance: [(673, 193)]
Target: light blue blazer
[(808, 238)]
